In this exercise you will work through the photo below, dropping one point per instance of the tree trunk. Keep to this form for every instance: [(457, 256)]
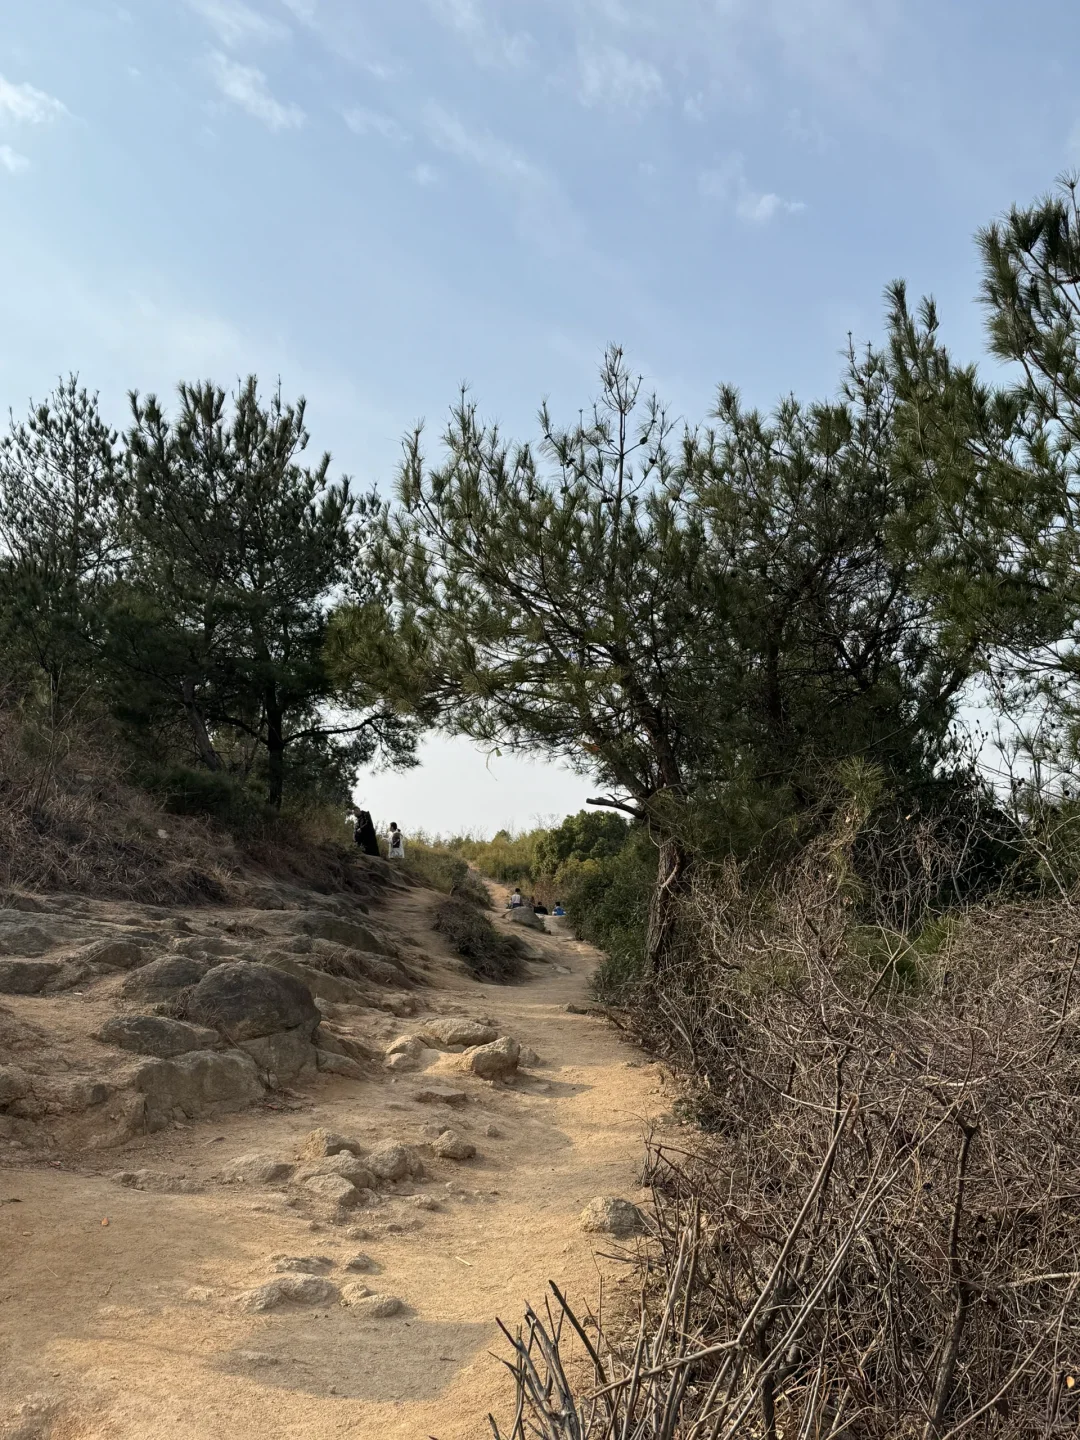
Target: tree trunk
[(207, 754), (672, 876), (275, 748)]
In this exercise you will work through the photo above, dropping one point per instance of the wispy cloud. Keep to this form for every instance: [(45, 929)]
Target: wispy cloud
[(246, 86), (542, 210), (612, 79), (425, 175), (490, 44), (235, 23), (12, 161), (374, 122), (25, 105), (728, 185), (303, 9)]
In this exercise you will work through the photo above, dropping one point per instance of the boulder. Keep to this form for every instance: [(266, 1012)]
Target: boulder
[(27, 977), (390, 1161), (282, 1056), (289, 1290), (349, 1167), (360, 1262), (529, 1058), (207, 946), (322, 925), (339, 1065), (161, 979), (111, 954), (255, 1169), (497, 1061), (193, 1084), (14, 1084), (246, 1001), (155, 1035), (452, 1146), (448, 1030), (609, 1215), (19, 938), (373, 1307), (334, 988), (522, 915), (324, 1142)]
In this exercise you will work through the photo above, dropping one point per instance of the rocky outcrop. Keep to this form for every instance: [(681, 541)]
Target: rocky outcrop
[(269, 1015), (195, 1084), (155, 1035), (161, 979)]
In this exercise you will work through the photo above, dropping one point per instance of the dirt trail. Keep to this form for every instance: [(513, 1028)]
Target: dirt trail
[(131, 1330)]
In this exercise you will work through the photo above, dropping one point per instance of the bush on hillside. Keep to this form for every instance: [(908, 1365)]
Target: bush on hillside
[(488, 954)]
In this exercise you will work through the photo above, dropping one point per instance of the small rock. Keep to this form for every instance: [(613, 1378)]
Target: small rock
[(529, 1058), (402, 1062), (609, 1215), (318, 1143), (394, 1162), (441, 1095), (355, 1291), (302, 1264), (333, 1193), (426, 1202), (361, 1262), (373, 1307), (576, 1010), (497, 1061), (492, 1132), (256, 1358), (452, 1146), (112, 954), (289, 1290), (257, 1170), (410, 1045)]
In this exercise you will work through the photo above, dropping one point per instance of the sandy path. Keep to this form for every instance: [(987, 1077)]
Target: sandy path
[(131, 1330)]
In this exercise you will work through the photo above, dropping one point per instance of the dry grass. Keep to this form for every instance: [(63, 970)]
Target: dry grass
[(489, 955), (71, 820), (879, 1237)]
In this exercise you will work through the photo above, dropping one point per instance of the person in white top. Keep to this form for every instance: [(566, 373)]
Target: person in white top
[(397, 842)]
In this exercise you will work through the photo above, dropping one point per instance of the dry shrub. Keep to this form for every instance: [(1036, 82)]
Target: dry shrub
[(489, 955), (69, 821), (879, 1235)]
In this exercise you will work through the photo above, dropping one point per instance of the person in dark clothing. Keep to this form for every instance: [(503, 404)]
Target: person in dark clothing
[(364, 834)]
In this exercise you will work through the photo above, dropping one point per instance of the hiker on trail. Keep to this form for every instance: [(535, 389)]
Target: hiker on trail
[(539, 908), (558, 908), (515, 900), (364, 834), (397, 842)]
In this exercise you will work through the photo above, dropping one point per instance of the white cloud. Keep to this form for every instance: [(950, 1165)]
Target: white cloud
[(12, 161), (612, 79), (246, 86), (373, 122), (543, 212), (26, 105), (425, 175), (303, 9), (728, 185), (490, 44), (235, 23)]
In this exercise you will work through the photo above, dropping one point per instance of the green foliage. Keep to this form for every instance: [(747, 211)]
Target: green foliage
[(438, 867)]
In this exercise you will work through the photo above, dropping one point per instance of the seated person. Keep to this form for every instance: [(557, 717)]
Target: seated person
[(558, 908), (515, 900)]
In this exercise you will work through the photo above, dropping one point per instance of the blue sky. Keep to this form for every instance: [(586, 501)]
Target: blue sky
[(378, 201)]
